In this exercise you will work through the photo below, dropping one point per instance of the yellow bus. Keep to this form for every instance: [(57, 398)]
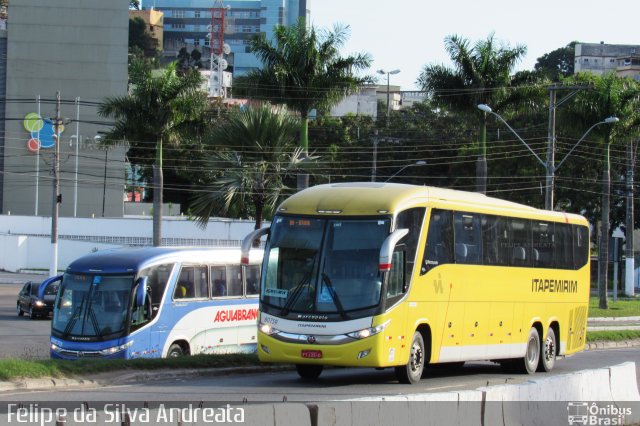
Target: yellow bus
[(390, 275)]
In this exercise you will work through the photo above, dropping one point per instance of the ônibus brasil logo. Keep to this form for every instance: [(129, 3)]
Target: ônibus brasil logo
[(42, 132)]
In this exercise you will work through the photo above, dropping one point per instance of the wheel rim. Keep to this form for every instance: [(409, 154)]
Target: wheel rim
[(416, 358), (549, 349)]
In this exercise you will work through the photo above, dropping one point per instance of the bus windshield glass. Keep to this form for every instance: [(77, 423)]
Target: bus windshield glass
[(323, 266), (92, 307)]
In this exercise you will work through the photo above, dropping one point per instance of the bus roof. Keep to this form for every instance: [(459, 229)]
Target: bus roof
[(121, 260), (376, 198)]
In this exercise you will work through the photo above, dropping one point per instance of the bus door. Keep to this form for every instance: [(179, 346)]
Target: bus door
[(152, 338), (189, 310)]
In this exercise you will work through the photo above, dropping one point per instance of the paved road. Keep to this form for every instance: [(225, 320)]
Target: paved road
[(20, 336), (339, 383)]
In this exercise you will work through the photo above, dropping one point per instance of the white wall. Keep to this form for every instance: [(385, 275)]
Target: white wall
[(25, 241)]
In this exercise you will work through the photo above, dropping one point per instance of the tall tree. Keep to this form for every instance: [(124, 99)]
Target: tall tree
[(140, 41), (158, 110), (302, 68), (254, 151), (611, 96), (480, 75), (557, 63), (134, 4)]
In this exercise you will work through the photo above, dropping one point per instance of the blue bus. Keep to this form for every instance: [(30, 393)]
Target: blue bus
[(156, 302)]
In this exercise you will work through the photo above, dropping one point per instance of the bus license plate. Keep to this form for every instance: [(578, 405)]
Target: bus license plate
[(308, 353)]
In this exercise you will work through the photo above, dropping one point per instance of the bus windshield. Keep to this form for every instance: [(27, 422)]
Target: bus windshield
[(92, 307), (323, 266)]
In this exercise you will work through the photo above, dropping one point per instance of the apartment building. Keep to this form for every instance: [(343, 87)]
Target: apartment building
[(186, 24), (601, 58)]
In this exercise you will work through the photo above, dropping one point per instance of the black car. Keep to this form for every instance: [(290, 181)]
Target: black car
[(34, 305)]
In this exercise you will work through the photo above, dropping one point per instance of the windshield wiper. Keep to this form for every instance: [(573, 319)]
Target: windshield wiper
[(94, 321), (297, 290), (334, 295), (74, 317)]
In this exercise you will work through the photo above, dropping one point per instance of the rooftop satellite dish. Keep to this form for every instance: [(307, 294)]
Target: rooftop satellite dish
[(224, 64), (226, 49)]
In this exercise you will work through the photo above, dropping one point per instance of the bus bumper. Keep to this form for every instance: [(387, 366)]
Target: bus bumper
[(366, 352)]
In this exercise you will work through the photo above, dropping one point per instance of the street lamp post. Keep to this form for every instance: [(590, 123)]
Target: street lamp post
[(388, 73), (417, 163), (549, 167)]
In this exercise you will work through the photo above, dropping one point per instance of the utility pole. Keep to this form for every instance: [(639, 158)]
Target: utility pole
[(629, 252), (551, 149), (56, 197), (375, 155)]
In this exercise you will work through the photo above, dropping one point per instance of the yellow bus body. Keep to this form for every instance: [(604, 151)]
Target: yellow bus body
[(468, 312)]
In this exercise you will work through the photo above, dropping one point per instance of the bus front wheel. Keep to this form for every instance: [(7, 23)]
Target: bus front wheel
[(308, 371), (412, 371), (529, 363), (548, 355), (175, 351)]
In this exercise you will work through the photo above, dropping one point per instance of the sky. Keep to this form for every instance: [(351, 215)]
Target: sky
[(408, 34)]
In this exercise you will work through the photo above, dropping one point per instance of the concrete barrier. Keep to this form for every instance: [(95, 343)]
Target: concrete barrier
[(609, 394)]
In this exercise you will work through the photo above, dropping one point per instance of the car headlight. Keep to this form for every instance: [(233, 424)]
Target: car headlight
[(267, 329), (368, 332), (39, 303), (116, 349)]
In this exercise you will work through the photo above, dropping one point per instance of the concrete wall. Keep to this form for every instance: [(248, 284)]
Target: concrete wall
[(80, 50), (25, 240)]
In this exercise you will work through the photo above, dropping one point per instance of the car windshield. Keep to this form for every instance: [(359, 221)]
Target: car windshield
[(323, 266), (92, 306)]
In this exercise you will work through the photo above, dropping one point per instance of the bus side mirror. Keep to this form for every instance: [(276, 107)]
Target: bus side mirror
[(388, 247), (46, 283), (247, 243), (141, 291)]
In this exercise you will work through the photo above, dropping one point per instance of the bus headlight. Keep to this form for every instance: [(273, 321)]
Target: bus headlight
[(55, 347), (368, 332), (267, 329), (116, 349)]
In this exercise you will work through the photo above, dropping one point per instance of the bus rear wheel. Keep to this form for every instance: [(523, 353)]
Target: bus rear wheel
[(529, 363), (412, 372), (548, 355), (309, 371)]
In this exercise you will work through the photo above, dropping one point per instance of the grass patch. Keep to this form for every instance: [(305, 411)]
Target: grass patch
[(15, 368), (620, 308), (612, 335)]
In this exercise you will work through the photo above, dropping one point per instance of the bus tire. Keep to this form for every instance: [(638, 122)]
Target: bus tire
[(412, 371), (309, 371), (529, 363), (175, 351), (548, 352)]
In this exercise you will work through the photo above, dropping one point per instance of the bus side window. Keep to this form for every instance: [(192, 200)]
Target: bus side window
[(439, 249), (157, 279), (412, 220), (580, 246), (252, 278), (234, 280), (467, 236), (543, 241), (218, 281)]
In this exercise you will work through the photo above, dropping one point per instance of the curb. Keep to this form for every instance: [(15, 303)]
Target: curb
[(107, 379), (612, 319), (612, 345)]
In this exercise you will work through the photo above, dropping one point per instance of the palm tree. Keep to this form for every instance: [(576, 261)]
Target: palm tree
[(159, 110), (303, 69), (257, 153), (610, 96), (481, 75)]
